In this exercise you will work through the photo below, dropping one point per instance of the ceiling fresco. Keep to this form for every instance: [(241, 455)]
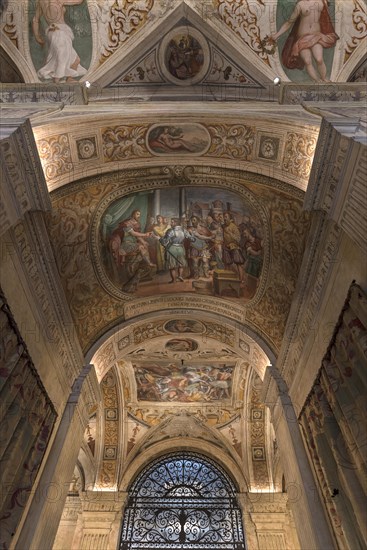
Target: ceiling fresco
[(102, 273), (177, 221), (185, 56), (86, 38), (208, 241), (250, 139), (183, 383)]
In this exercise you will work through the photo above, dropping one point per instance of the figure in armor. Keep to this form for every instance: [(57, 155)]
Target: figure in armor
[(175, 254)]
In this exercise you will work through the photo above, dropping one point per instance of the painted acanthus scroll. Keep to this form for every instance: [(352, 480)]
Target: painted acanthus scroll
[(358, 28), (242, 16), (117, 20), (10, 21), (232, 141)]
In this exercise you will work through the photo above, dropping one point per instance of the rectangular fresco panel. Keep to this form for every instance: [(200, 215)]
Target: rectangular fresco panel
[(187, 384)]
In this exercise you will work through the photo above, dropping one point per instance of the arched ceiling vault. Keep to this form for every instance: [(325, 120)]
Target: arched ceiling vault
[(176, 115), (79, 142), (77, 228)]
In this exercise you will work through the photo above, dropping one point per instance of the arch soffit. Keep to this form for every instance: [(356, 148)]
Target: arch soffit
[(100, 142), (244, 342), (130, 307)]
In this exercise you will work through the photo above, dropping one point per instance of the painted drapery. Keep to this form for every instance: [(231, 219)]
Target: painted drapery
[(27, 418), (334, 426)]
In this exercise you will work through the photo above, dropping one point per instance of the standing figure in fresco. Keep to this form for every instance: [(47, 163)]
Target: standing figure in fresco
[(159, 229), (62, 60), (312, 31), (232, 254), (254, 259), (199, 250), (130, 249), (215, 226), (128, 239), (173, 242)]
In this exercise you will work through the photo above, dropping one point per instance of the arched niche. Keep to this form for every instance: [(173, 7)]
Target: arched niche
[(182, 498)]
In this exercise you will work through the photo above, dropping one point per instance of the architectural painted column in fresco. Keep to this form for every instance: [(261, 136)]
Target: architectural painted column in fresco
[(157, 202)]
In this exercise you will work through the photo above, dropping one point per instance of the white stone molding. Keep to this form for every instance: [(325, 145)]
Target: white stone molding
[(38, 93), (338, 177), (308, 510), (292, 93), (34, 258)]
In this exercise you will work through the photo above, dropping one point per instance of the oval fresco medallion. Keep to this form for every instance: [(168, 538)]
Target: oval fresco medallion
[(183, 326), (184, 56), (200, 240), (180, 139), (181, 344)]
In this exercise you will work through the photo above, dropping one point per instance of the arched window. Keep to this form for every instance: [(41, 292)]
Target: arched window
[(182, 501)]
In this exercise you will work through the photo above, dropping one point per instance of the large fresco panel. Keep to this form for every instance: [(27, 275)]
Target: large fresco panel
[(206, 241), (186, 384)]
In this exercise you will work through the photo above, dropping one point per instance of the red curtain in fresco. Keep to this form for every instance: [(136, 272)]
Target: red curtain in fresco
[(334, 424), (27, 418)]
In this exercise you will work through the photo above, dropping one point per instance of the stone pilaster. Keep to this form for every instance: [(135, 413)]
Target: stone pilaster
[(100, 520), (68, 523), (270, 515), (43, 515), (308, 511), (338, 176), (248, 524)]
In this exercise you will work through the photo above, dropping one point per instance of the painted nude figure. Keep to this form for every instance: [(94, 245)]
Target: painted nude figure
[(312, 31), (62, 60)]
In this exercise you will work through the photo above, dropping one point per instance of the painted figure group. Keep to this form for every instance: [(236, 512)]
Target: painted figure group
[(185, 384), (188, 249)]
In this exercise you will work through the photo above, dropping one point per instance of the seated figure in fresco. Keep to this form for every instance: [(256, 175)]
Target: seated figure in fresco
[(312, 31), (62, 60), (185, 57)]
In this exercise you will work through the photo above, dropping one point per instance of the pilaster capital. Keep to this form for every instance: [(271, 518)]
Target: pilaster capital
[(23, 185), (337, 179), (103, 501)]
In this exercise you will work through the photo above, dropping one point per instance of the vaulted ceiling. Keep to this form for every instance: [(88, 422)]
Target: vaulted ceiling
[(177, 114)]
